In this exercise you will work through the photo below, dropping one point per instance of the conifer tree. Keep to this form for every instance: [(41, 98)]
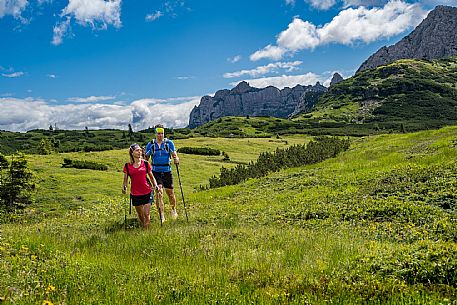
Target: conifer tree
[(16, 183)]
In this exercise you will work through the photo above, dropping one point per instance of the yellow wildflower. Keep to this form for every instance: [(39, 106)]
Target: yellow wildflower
[(50, 288)]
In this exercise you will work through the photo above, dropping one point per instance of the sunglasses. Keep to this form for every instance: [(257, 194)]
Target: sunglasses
[(134, 147)]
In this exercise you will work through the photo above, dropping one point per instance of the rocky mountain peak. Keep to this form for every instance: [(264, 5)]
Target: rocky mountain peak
[(245, 100), (336, 78), (242, 87), (435, 37)]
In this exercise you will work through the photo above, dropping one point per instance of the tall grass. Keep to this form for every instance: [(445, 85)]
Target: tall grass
[(365, 227)]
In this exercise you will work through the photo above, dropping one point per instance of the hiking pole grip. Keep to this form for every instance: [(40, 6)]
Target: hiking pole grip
[(182, 194)]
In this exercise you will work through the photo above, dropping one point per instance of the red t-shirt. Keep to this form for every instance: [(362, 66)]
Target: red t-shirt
[(140, 185)]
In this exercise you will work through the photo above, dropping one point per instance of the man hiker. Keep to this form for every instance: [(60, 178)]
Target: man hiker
[(161, 150)]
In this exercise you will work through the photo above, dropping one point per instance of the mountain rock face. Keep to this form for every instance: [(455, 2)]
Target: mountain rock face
[(309, 98), (244, 100), (435, 37), (336, 79)]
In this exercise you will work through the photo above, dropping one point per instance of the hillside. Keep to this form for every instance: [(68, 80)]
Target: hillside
[(433, 38), (374, 225), (417, 94)]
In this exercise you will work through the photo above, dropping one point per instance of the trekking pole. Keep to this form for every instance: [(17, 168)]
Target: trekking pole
[(158, 209), (125, 217), (182, 194)]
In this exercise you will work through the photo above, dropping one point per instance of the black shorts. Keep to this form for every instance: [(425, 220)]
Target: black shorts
[(142, 199), (164, 178)]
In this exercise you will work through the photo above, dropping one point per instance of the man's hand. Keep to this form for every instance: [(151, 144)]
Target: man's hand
[(176, 160)]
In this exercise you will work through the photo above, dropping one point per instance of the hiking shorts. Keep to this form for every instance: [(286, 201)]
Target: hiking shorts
[(142, 199), (164, 178)]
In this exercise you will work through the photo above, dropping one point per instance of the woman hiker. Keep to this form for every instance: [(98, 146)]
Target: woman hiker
[(141, 193)]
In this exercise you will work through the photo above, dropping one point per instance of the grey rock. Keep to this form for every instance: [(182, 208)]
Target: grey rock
[(244, 100), (336, 78), (308, 99), (435, 37)]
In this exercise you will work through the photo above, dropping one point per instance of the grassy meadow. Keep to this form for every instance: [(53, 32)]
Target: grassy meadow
[(375, 225)]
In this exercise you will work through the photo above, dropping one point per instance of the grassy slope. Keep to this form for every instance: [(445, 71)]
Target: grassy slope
[(376, 224), (421, 94)]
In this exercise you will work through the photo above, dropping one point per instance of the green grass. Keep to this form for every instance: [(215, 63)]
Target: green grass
[(376, 225)]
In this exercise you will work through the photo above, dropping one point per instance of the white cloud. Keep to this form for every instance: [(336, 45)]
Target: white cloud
[(51, 75), (29, 113), (349, 26), (90, 99), (284, 81), (299, 35), (95, 13), (322, 4), (184, 77), (261, 70), (155, 16), (59, 31), (13, 75), (171, 113), (290, 2), (234, 59), (12, 7), (272, 52)]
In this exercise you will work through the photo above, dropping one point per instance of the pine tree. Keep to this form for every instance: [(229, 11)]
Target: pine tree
[(16, 183), (130, 131), (45, 147)]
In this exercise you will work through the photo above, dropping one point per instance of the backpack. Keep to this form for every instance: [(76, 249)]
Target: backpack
[(167, 149), (146, 164)]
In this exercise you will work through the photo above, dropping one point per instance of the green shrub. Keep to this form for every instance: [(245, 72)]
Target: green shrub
[(199, 151), (84, 164)]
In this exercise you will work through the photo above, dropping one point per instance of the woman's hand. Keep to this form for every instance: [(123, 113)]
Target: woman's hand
[(159, 188)]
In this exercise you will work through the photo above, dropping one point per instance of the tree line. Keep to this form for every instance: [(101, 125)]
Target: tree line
[(297, 155)]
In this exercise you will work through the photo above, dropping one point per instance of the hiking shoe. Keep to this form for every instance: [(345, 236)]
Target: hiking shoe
[(174, 214)]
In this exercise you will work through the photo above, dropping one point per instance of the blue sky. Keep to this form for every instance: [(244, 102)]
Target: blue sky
[(105, 64)]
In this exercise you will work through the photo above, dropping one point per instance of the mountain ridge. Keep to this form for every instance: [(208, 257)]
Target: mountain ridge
[(435, 37), (244, 100)]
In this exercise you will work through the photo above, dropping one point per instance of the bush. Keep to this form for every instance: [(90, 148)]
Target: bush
[(84, 164), (16, 183), (199, 151), (424, 262)]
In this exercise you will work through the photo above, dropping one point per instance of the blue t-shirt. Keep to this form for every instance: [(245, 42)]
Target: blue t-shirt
[(161, 158)]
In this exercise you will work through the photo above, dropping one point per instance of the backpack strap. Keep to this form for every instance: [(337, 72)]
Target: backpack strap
[(153, 142), (146, 164), (167, 147)]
